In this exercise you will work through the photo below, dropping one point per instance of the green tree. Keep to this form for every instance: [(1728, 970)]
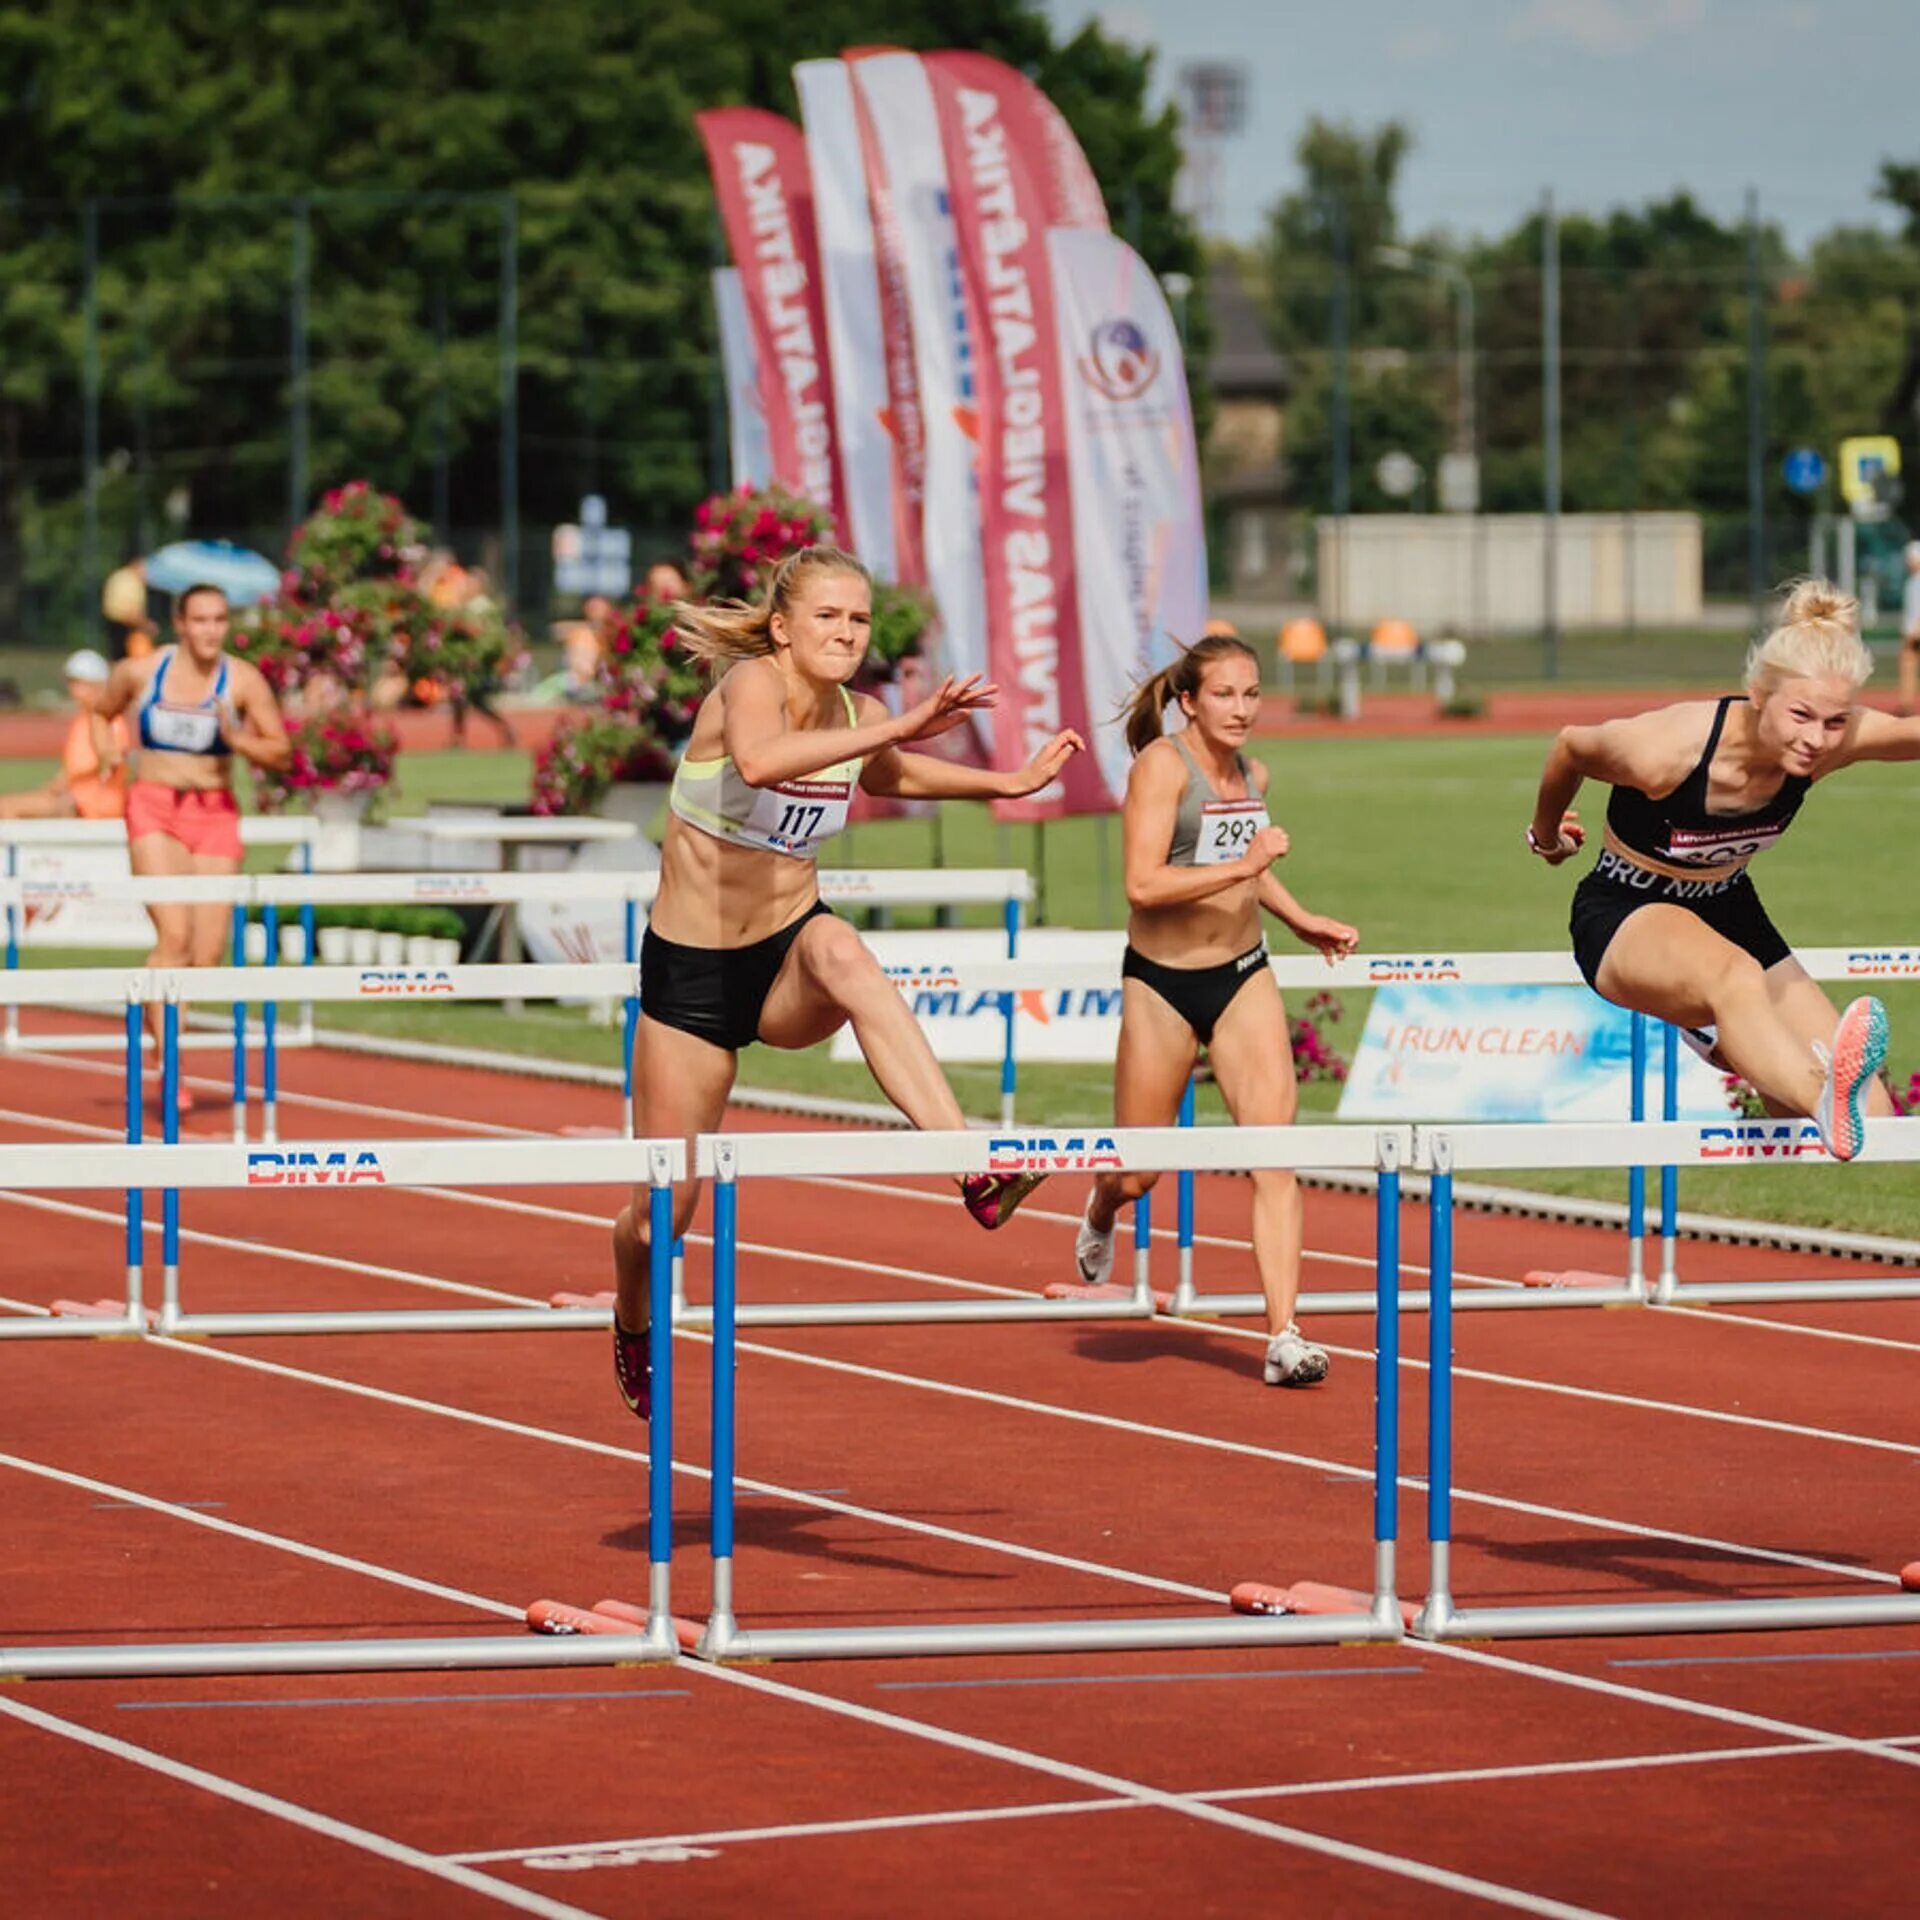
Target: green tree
[(409, 127)]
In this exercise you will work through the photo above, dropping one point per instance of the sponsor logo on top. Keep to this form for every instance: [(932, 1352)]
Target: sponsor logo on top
[(314, 1167), (1422, 968), (1120, 362), (405, 981), (1052, 1153), (1761, 1140), (1893, 963), (451, 886)]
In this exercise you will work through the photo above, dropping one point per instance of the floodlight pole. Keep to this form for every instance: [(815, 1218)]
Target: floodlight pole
[(510, 400), (297, 384), (90, 394), (1756, 420), (1550, 402)]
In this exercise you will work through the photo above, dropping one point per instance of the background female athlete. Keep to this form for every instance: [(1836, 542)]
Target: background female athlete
[(1199, 853)]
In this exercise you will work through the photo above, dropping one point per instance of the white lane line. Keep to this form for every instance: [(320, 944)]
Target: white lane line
[(1248, 1449), (1398, 1865), (198, 1517), (1646, 1696), (589, 1853), (451, 1872), (819, 1502)]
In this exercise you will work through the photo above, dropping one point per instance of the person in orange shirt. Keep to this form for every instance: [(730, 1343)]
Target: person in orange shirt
[(79, 790)]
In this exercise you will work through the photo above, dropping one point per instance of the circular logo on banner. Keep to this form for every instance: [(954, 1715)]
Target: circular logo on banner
[(1121, 363)]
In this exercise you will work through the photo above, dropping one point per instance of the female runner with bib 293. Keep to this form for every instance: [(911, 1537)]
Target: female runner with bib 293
[(740, 947), (1198, 853), (1668, 923)]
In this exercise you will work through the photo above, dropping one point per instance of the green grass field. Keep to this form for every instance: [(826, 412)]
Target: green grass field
[(1417, 842)]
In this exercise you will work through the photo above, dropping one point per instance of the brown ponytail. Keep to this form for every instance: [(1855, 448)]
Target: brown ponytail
[(729, 630), (1144, 707)]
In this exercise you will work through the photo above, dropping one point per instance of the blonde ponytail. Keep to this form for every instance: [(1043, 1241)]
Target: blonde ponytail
[(1150, 698), (1817, 638), (729, 630)]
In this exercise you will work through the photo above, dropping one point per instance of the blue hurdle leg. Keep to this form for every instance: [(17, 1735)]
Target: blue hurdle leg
[(136, 1023), (1386, 1384), (726, 1195), (170, 1196), (1637, 1176), (660, 1414), (270, 1037), (1669, 1176), (1439, 1607), (1183, 1294)]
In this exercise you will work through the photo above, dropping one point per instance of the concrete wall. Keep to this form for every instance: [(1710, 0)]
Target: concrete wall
[(1487, 573)]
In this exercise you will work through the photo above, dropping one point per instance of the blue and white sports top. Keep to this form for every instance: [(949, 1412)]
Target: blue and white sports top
[(167, 726), (796, 818)]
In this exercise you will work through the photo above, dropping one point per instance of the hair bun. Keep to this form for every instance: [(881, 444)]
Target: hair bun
[(1819, 600)]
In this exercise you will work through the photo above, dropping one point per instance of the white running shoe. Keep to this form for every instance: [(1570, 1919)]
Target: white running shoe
[(1293, 1361), (1858, 1052), (1093, 1253)]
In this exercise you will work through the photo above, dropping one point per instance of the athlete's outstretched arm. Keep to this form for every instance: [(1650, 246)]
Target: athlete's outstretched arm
[(1647, 752), (766, 748), (919, 776), (1877, 736)]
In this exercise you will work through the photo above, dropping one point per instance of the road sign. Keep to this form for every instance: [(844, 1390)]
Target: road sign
[(1869, 473), (592, 557), (1459, 483), (1804, 470)]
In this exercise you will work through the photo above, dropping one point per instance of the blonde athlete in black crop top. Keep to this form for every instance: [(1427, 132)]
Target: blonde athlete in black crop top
[(1667, 922), (1199, 852)]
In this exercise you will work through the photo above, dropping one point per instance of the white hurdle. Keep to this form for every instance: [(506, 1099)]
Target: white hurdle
[(1445, 1151), (653, 1164), (728, 1160)]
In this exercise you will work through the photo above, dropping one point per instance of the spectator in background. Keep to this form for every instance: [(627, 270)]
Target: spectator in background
[(79, 790), (1910, 632), (666, 580), (123, 603)]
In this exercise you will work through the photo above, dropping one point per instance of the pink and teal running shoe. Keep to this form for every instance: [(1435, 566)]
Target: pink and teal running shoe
[(1859, 1050)]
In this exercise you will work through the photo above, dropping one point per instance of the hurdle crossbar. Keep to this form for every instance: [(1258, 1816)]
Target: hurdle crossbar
[(729, 1159), (1442, 1151)]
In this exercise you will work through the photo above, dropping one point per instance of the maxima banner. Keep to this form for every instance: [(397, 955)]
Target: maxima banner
[(998, 170), (759, 167), (910, 175), (750, 457), (1140, 550), (1453, 1052), (850, 300)]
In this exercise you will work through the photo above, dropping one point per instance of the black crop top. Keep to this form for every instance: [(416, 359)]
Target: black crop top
[(1679, 831)]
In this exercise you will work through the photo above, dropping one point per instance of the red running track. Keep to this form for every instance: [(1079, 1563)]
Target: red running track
[(411, 1485)]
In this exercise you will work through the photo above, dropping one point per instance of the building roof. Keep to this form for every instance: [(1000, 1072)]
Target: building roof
[(1245, 363)]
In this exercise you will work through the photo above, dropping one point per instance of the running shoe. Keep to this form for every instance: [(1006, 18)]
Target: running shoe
[(633, 1369), (1858, 1052), (1293, 1361), (1093, 1252), (992, 1197)]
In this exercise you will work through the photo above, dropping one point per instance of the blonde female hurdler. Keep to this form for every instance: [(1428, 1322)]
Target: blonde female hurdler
[(1667, 922), (739, 946), (1199, 852)]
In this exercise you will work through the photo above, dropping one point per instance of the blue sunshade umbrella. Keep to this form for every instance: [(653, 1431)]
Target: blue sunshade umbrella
[(241, 574)]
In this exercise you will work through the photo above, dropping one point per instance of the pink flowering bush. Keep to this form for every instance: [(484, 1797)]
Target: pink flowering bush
[(740, 537), (1315, 1057), (647, 673), (356, 533), (588, 753), (342, 751), (1745, 1100)]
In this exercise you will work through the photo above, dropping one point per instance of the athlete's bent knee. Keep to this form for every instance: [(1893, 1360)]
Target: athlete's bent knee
[(840, 962)]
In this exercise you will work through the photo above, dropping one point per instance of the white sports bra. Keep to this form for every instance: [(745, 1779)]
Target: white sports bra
[(796, 818)]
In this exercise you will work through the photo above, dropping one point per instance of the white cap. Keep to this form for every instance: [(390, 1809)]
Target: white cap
[(86, 665), (1913, 553)]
